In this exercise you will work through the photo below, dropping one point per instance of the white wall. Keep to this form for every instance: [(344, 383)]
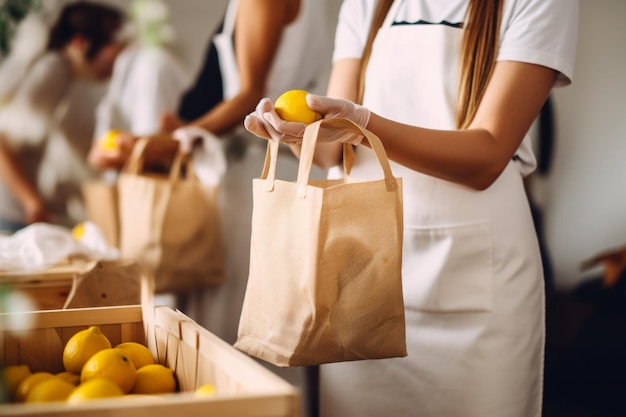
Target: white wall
[(584, 196)]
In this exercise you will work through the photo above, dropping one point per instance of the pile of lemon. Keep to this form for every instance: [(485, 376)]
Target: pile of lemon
[(93, 369)]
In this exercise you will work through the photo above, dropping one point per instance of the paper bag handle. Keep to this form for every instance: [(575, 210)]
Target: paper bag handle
[(134, 164), (309, 142)]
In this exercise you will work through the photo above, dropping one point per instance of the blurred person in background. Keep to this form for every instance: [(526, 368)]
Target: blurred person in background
[(148, 80), (262, 49), (43, 150)]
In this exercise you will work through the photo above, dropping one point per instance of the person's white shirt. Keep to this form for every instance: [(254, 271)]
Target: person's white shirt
[(147, 81)]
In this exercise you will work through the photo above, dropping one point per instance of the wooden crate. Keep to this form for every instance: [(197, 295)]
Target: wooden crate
[(80, 283), (47, 289), (244, 388)]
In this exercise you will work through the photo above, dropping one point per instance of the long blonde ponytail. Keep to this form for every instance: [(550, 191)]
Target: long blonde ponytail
[(382, 8), (478, 56)]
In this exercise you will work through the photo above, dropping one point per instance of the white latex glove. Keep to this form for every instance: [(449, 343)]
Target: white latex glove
[(255, 123), (265, 122), (207, 154)]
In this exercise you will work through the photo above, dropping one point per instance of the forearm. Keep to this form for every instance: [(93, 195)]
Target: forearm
[(229, 114), (469, 157), (259, 27)]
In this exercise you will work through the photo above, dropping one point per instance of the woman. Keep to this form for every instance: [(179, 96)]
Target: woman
[(44, 136), (451, 89)]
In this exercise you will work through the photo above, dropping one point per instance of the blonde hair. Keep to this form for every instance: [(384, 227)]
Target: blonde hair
[(478, 53)]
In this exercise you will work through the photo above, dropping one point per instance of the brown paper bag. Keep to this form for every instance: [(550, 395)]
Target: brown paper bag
[(110, 283), (169, 222), (100, 199), (325, 279)]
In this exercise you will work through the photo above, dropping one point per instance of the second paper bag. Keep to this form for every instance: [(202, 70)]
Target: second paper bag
[(169, 222), (325, 280)]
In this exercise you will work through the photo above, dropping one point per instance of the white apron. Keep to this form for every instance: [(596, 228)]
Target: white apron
[(472, 278)]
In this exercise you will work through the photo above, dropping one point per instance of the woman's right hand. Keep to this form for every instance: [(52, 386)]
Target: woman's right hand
[(112, 158)]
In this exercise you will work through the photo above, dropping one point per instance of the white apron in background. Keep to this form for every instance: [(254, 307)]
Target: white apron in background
[(472, 278)]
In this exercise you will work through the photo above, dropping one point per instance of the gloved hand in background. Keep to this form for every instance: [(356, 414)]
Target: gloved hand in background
[(265, 123)]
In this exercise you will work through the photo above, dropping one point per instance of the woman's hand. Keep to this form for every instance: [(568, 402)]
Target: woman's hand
[(264, 122), (112, 158)]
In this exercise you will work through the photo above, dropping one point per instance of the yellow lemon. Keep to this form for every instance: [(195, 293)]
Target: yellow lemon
[(31, 381), (93, 389), (291, 106), (154, 379), (10, 378), (51, 389), (114, 364), (78, 231), (139, 354), (82, 346), (108, 141), (70, 377), (206, 390)]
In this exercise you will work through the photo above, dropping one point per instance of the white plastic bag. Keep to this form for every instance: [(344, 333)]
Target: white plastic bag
[(42, 245), (209, 162)]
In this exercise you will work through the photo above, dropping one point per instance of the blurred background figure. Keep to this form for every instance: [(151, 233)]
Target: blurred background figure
[(45, 129), (261, 49), (148, 80)]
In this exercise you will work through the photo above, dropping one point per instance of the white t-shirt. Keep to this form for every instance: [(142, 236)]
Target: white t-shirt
[(146, 82), (542, 32)]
